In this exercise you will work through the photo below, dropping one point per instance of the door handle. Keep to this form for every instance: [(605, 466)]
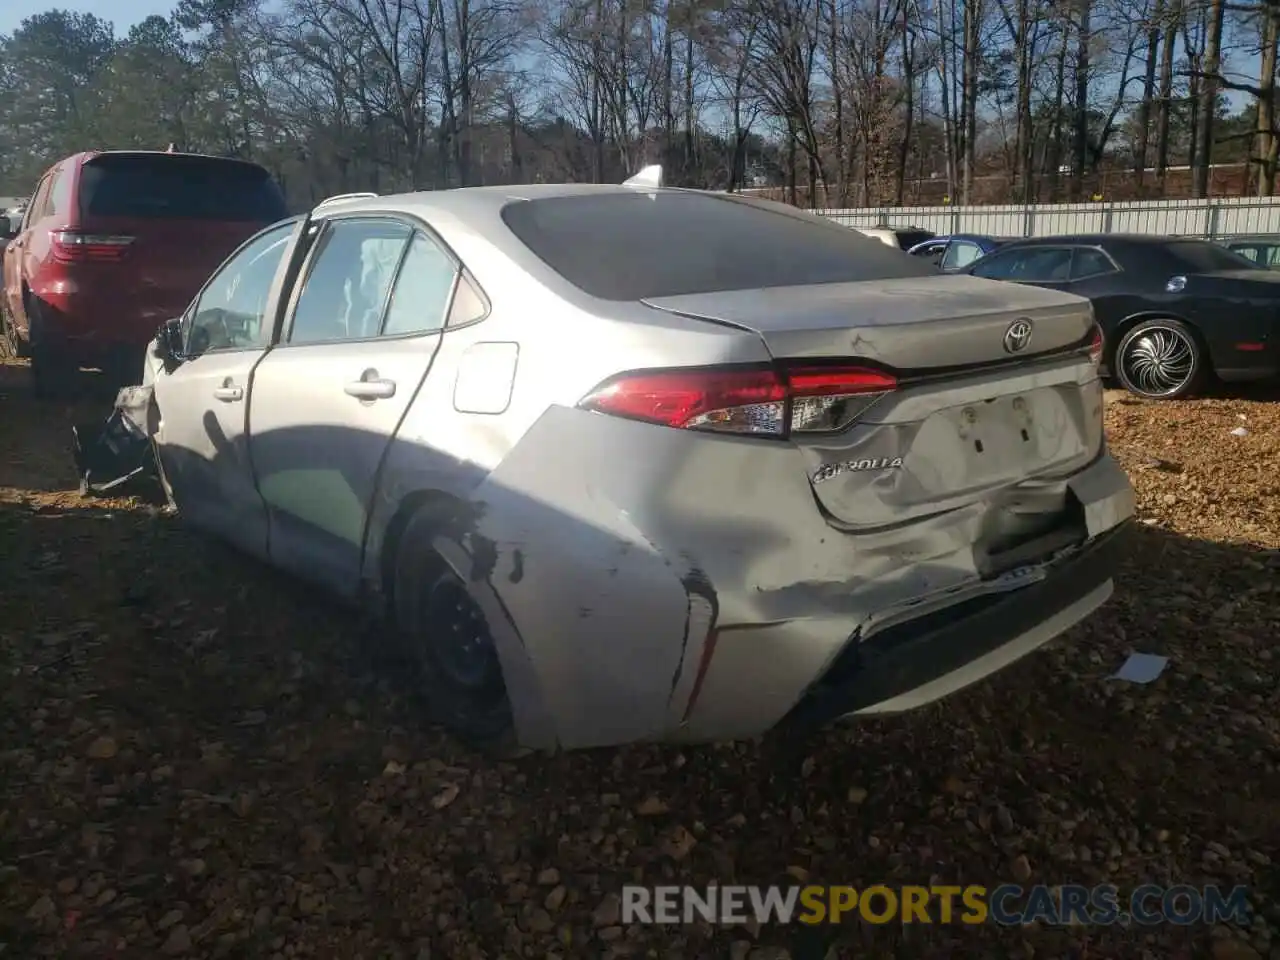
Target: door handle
[(371, 387), (228, 394)]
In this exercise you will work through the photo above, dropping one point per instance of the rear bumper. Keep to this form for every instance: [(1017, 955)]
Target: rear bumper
[(88, 324), (650, 584), (923, 660)]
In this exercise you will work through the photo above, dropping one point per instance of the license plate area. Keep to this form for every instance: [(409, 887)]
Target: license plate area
[(989, 440)]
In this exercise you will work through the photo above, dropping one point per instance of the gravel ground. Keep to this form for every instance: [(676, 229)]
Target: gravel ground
[(197, 760)]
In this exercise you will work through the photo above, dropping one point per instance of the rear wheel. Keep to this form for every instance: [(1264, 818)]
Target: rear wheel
[(447, 641), (52, 376), (10, 343), (1161, 360), (52, 373)]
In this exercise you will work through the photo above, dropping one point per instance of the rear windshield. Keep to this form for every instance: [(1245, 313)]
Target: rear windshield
[(635, 246), (909, 238), (176, 187), (1201, 256)]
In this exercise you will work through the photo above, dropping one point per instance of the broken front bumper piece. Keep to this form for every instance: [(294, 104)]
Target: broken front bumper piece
[(112, 453)]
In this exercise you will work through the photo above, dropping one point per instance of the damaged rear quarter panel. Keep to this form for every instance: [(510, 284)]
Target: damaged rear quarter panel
[(628, 541)]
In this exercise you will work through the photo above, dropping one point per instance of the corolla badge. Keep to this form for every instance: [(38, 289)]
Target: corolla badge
[(1017, 336), (831, 470)]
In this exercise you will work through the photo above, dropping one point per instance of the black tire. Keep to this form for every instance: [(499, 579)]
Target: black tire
[(447, 642), (1161, 359), (11, 344), (52, 375), (52, 378)]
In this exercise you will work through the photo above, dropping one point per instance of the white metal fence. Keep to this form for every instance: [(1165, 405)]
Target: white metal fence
[(1196, 218)]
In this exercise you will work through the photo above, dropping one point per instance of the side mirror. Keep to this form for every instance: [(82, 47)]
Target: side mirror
[(169, 344)]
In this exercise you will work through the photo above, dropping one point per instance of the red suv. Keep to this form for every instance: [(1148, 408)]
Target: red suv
[(113, 244)]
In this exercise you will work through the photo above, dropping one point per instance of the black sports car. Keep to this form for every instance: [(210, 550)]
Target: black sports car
[(1173, 310)]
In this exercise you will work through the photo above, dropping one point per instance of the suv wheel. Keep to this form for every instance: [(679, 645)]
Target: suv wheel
[(11, 344)]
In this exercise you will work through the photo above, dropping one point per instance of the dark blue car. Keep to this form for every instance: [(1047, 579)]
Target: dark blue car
[(956, 251)]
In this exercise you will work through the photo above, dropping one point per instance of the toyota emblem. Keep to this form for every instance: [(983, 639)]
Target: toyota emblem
[(1017, 336)]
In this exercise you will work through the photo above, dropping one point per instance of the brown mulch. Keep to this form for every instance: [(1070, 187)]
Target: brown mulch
[(199, 759)]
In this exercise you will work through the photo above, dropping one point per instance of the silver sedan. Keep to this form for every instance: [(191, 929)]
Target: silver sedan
[(622, 462)]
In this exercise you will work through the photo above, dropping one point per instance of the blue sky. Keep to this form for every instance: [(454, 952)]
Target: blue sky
[(123, 13)]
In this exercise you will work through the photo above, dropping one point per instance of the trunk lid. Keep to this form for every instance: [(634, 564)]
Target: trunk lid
[(911, 324), (963, 429)]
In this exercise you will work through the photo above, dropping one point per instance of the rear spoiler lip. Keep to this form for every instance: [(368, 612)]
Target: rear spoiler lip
[(100, 155)]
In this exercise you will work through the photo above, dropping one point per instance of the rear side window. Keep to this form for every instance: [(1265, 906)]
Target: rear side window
[(1201, 256), (635, 246), (1089, 262), (177, 187)]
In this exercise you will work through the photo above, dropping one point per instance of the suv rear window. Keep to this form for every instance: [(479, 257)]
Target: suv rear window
[(177, 187), (635, 246)]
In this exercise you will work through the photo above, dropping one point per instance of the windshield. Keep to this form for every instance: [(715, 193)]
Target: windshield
[(178, 187), (636, 246), (1201, 256)]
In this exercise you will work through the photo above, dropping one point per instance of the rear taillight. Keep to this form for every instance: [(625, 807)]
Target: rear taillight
[(744, 400), (1095, 346), (71, 246)]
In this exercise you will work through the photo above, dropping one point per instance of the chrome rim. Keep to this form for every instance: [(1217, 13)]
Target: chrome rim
[(463, 647), (1159, 361)]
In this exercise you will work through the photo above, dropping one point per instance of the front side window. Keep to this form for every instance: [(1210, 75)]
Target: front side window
[(961, 253), (1028, 265), (231, 311), (345, 293)]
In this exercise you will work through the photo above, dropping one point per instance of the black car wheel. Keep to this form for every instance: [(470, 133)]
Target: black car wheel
[(1160, 360), (52, 376), (448, 642), (52, 373), (10, 343)]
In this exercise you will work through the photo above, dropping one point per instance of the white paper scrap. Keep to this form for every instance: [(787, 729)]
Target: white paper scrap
[(1141, 668)]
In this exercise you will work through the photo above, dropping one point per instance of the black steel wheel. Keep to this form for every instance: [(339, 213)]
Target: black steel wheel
[(1160, 360), (447, 641)]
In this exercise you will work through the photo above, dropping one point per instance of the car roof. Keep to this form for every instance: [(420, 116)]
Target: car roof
[(1252, 238), (1101, 240)]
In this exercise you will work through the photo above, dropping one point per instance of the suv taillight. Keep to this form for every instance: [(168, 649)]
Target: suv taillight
[(756, 401), (72, 246), (1095, 346)]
